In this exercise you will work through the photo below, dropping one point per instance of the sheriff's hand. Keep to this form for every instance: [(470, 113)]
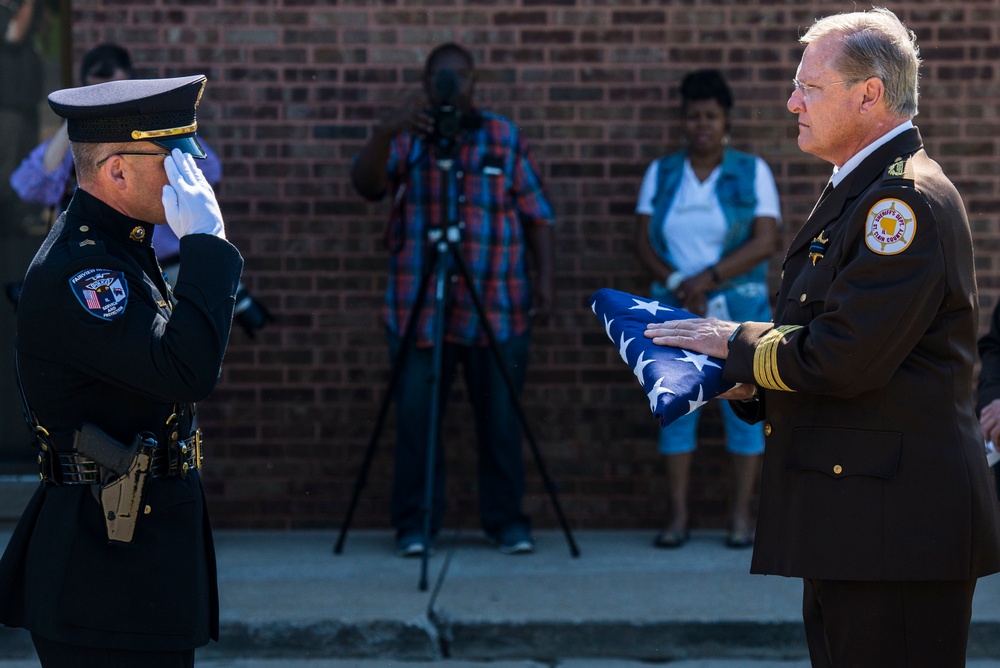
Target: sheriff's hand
[(709, 336)]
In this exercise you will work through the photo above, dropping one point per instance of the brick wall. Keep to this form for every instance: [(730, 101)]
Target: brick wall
[(295, 87)]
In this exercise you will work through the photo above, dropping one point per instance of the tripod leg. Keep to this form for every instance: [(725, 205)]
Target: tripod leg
[(515, 400), (441, 274), (409, 334)]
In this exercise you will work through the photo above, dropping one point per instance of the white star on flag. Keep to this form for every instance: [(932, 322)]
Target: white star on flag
[(698, 360), (623, 346), (697, 403), (654, 394), (641, 364), (651, 306)]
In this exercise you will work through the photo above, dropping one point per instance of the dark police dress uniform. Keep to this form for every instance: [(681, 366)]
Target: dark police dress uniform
[(874, 468), (101, 340)]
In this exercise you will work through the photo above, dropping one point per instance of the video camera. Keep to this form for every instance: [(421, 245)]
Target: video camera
[(447, 115), (13, 291), (250, 313)]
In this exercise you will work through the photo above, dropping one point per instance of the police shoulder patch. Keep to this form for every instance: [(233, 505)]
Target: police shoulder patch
[(103, 293), (890, 227)]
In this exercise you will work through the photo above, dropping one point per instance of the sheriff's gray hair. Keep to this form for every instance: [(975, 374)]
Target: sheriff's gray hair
[(875, 44)]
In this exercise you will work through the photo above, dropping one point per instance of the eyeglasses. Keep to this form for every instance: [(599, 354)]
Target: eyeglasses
[(104, 160), (809, 88)]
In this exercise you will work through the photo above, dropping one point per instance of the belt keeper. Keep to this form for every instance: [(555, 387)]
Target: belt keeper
[(44, 463), (198, 454), (46, 471)]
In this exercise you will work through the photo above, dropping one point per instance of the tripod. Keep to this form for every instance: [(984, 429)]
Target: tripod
[(443, 243)]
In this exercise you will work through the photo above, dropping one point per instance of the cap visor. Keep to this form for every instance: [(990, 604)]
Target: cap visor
[(185, 144)]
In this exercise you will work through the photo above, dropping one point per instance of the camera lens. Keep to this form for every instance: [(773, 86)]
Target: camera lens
[(448, 123)]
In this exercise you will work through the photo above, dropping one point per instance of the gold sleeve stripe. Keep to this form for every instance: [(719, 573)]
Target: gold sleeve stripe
[(765, 359)]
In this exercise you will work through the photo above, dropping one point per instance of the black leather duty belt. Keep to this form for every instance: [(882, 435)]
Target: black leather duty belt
[(175, 458)]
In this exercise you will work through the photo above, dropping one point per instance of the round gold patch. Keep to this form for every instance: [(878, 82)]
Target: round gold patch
[(138, 233), (891, 227)]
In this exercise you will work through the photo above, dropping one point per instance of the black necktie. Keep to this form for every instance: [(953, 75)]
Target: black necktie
[(823, 196)]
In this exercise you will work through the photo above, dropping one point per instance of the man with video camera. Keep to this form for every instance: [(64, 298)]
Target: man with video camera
[(439, 140)]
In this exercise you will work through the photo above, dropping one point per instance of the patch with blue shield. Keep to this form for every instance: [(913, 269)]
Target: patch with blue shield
[(103, 293)]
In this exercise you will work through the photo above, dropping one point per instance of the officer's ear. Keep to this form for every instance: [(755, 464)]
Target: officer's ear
[(873, 93), (112, 170)]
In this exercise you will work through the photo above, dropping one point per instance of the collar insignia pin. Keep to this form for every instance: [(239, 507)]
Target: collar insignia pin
[(137, 234)]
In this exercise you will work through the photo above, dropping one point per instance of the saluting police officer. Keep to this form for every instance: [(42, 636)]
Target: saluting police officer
[(875, 487), (112, 563)]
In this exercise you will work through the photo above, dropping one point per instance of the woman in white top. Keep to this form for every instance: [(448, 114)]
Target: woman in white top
[(708, 220)]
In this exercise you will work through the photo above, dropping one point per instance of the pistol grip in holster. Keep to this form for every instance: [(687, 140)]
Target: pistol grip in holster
[(122, 496)]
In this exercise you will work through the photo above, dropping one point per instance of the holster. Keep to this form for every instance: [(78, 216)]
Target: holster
[(126, 469)]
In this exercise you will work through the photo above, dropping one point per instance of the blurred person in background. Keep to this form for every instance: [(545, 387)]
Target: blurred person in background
[(505, 216), (708, 217), (21, 90)]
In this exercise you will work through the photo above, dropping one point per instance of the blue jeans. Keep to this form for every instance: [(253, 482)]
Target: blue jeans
[(681, 435), (498, 432)]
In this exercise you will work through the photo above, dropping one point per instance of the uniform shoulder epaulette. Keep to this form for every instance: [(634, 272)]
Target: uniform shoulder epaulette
[(82, 244), (899, 172)]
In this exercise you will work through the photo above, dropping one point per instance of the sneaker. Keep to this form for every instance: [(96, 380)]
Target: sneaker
[(410, 544), (515, 539)]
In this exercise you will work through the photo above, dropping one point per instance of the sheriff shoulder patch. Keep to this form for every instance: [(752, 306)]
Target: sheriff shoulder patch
[(891, 227), (103, 293)]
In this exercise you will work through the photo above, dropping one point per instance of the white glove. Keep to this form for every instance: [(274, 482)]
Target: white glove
[(189, 202)]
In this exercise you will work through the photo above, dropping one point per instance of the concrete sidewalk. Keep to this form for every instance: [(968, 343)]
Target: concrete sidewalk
[(287, 600)]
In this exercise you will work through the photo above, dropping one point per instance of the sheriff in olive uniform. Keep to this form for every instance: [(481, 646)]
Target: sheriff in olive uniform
[(102, 340), (875, 488)]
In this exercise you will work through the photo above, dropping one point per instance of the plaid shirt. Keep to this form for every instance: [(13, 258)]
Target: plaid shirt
[(496, 192)]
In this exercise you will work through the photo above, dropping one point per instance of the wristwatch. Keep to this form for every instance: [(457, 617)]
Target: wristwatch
[(732, 337)]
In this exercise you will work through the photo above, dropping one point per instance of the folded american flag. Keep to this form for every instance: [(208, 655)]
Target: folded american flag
[(676, 381)]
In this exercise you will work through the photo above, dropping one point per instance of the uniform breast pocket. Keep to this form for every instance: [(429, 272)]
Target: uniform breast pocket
[(842, 453), (809, 291), (839, 485)]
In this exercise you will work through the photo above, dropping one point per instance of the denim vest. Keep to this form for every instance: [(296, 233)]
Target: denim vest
[(736, 190)]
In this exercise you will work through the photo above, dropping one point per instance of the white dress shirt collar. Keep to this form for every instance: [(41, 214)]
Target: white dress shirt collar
[(841, 173)]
